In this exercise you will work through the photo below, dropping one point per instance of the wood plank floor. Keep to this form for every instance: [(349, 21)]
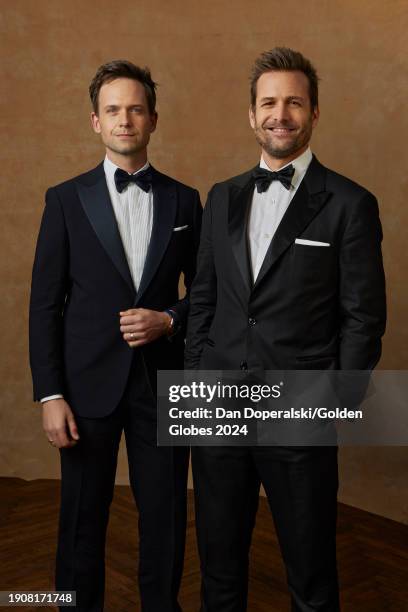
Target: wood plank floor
[(372, 552)]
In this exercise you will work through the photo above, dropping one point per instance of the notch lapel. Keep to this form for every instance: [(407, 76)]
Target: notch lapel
[(238, 214), (95, 200), (309, 198), (164, 214)]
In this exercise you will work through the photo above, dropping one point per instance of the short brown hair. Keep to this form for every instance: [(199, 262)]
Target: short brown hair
[(283, 58), (123, 69)]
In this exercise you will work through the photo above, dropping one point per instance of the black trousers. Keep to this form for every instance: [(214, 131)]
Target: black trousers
[(158, 477), (301, 485)]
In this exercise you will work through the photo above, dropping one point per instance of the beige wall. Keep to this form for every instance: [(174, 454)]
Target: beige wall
[(200, 53)]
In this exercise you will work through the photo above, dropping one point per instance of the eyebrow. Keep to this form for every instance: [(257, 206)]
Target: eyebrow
[(288, 98), (115, 106)]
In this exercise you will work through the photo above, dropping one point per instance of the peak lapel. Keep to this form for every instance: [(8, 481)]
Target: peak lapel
[(238, 213), (164, 214), (95, 200), (309, 198)]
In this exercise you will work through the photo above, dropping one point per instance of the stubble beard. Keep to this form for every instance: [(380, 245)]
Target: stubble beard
[(300, 140)]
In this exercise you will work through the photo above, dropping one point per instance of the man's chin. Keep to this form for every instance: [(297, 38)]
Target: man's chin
[(281, 152), (126, 150)]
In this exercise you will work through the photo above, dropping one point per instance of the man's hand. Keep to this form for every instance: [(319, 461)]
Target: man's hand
[(140, 326), (59, 423)]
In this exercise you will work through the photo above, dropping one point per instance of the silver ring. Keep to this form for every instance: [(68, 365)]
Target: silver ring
[(132, 335)]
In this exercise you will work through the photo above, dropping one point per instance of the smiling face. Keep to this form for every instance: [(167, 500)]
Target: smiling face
[(124, 122), (282, 118)]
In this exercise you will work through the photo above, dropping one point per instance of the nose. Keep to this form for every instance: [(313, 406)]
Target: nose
[(124, 118), (280, 112)]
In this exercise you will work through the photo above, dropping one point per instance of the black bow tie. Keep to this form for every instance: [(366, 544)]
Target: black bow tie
[(143, 179), (263, 178)]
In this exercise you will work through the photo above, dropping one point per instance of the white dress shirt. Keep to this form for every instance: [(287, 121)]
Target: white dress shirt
[(133, 209), (268, 208)]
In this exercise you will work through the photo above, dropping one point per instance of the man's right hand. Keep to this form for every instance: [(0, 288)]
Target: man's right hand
[(59, 424)]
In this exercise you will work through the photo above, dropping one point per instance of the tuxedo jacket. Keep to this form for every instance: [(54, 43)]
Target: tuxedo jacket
[(311, 306), (81, 281)]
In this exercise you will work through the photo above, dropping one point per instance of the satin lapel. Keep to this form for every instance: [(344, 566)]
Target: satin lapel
[(97, 205), (310, 197), (238, 213), (164, 214)]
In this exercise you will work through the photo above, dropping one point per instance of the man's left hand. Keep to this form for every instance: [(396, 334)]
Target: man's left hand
[(140, 326)]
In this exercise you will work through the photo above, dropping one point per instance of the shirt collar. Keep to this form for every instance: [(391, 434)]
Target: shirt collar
[(110, 168), (300, 164)]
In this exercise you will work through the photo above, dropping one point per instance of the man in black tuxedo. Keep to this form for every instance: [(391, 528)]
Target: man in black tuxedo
[(104, 316), (289, 276)]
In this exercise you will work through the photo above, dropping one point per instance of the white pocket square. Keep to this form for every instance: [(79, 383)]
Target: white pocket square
[(312, 242), (179, 229)]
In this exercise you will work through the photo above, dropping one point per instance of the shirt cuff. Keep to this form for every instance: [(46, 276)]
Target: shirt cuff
[(50, 397), (175, 325)]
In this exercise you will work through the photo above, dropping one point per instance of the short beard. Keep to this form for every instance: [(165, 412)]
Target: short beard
[(279, 153), (302, 139)]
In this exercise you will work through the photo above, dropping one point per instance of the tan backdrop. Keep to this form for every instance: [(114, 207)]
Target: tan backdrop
[(200, 53)]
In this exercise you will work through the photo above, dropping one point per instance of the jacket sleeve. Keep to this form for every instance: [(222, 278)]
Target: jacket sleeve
[(203, 295), (362, 288), (48, 293), (181, 307)]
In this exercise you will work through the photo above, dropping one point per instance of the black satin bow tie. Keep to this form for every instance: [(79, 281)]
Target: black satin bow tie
[(143, 179), (263, 178)]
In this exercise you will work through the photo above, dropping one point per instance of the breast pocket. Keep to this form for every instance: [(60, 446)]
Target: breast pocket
[(312, 250), (314, 265), (179, 241)]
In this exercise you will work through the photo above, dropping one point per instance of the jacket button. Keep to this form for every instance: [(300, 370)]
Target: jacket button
[(252, 321), (243, 365)]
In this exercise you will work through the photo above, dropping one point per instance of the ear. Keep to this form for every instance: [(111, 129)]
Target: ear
[(153, 121), (95, 123), (315, 116), (252, 117)]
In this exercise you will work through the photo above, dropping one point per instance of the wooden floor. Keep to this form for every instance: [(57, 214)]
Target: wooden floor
[(372, 552)]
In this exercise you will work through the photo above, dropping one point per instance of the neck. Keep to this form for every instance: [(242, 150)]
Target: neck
[(129, 163), (275, 163)]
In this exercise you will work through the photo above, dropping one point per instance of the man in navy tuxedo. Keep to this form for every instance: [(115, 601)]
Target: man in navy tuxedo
[(105, 315), (289, 277)]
